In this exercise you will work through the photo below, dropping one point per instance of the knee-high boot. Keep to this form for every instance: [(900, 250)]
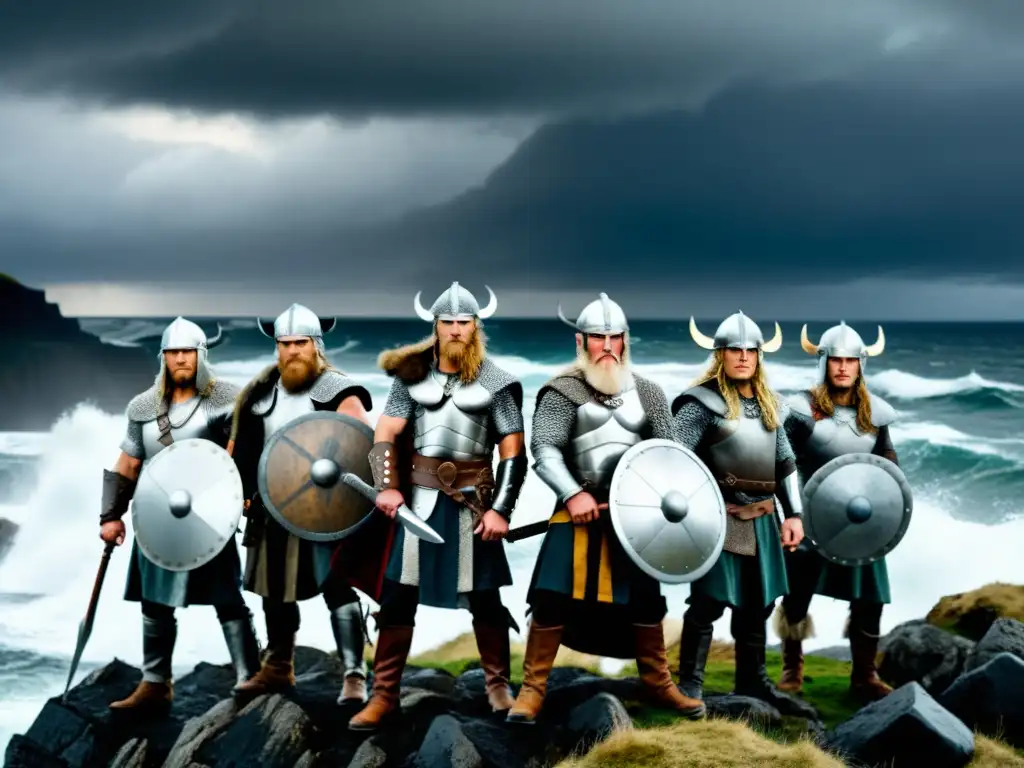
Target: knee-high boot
[(493, 643), (865, 684), (652, 664), (541, 649), (350, 638), (749, 631), (694, 646), (393, 644), (240, 637), (277, 673), (155, 692)]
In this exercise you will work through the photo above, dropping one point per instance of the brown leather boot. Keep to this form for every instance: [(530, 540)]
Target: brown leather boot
[(493, 644), (147, 699), (277, 673), (865, 684), (393, 645), (541, 648), (652, 664), (792, 636), (792, 679), (153, 696)]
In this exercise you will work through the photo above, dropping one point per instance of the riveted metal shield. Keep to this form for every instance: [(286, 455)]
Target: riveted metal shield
[(187, 504), (300, 475), (667, 511), (857, 508)]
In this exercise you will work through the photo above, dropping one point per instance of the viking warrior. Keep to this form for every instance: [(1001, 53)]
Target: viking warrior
[(448, 407), (586, 593), (281, 567), (186, 401), (837, 416), (731, 419)]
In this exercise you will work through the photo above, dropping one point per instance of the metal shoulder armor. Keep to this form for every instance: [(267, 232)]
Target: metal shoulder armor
[(882, 414), (800, 403)]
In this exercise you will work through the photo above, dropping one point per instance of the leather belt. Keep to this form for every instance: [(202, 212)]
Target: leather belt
[(751, 511), (449, 475), (751, 486)]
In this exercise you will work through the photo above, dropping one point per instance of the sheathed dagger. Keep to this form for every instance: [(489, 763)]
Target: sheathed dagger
[(406, 517), (85, 627)]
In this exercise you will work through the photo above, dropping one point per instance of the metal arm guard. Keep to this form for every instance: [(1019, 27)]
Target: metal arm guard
[(550, 465), (791, 496), (117, 492), (382, 465), (509, 480)]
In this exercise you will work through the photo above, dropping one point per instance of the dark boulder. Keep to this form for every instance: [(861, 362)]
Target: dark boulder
[(907, 727)]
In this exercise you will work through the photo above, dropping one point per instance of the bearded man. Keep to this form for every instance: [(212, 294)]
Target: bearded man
[(448, 407), (731, 419), (835, 417), (585, 590), (186, 401), (280, 567)]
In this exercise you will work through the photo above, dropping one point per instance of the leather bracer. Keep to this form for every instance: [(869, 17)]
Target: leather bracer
[(508, 482), (383, 467), (117, 493)]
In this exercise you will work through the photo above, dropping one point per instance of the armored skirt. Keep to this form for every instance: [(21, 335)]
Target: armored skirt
[(443, 572), (216, 583), (726, 582), (606, 591)]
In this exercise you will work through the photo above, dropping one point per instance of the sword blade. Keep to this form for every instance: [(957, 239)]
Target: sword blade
[(409, 521), (417, 527), (85, 626)]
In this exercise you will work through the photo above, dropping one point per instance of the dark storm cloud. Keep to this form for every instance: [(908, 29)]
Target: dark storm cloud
[(837, 181), (812, 184), (454, 56)]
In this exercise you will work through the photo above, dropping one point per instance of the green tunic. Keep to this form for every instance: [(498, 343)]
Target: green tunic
[(870, 582), (739, 580)]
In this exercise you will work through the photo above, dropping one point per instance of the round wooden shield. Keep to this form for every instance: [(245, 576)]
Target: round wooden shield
[(300, 475)]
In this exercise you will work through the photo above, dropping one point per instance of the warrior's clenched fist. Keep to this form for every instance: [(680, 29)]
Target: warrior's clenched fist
[(583, 508), (389, 501), (112, 532)]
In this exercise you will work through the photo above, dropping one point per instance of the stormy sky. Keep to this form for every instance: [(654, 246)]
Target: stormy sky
[(799, 158)]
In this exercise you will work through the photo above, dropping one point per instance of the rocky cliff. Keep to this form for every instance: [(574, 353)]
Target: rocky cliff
[(50, 364)]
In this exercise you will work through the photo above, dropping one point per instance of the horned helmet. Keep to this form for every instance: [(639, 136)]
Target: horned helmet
[(841, 341), (738, 331)]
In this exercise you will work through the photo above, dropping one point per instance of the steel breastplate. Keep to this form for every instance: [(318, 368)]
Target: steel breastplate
[(602, 433), (287, 406), (455, 425), (188, 420), (835, 436), (742, 447)]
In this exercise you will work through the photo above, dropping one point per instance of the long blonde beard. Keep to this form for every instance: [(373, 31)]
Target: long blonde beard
[(299, 374), (608, 381), (466, 357), (766, 398)]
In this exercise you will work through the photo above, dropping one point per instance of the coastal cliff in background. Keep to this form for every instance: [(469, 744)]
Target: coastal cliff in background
[(51, 364)]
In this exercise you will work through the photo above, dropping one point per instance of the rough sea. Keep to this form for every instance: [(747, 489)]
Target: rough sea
[(959, 389)]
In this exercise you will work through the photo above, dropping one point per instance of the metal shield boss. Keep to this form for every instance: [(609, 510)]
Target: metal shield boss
[(187, 504), (857, 508), (667, 511), (300, 471)]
